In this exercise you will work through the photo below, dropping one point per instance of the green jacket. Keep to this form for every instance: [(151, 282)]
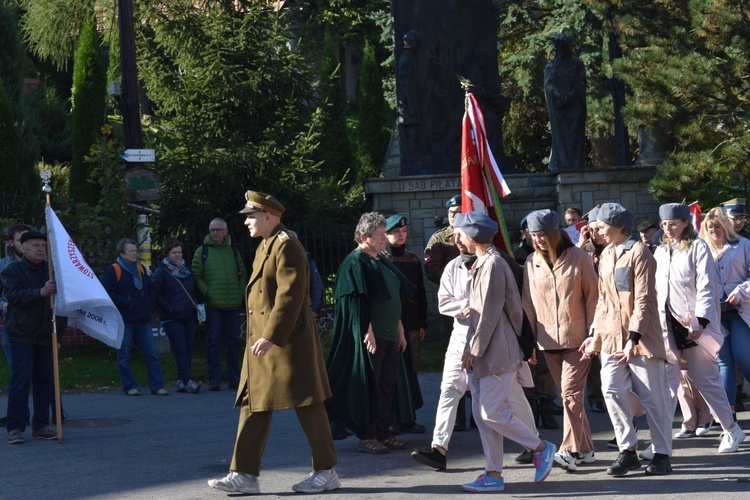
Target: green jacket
[(222, 277)]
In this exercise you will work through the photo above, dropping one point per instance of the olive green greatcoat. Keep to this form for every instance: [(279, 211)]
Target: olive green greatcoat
[(292, 373)]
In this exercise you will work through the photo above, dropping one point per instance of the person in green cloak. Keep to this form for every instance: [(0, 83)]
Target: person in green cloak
[(368, 340)]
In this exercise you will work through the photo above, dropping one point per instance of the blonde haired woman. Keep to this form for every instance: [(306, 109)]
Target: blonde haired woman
[(731, 254), (559, 297), (688, 297)]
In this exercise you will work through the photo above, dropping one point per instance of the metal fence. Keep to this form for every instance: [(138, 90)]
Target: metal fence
[(328, 242), (328, 239)]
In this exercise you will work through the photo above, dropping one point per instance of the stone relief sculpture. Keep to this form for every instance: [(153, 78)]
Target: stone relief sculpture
[(407, 95), (435, 41)]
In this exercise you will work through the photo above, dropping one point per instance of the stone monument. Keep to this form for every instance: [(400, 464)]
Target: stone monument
[(435, 41)]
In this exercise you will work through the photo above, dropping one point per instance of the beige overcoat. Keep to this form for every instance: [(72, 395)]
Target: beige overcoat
[(560, 301), (292, 373), (495, 317), (627, 301)]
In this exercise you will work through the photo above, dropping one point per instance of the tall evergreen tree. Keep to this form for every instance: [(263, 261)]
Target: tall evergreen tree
[(11, 52), (373, 135), (89, 91), (50, 26), (10, 147), (232, 107), (688, 67), (334, 151), (15, 65)]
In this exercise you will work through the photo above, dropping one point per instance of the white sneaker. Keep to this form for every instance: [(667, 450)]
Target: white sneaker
[(586, 458), (684, 433), (703, 429), (648, 453), (236, 482), (193, 386), (179, 386), (319, 481), (731, 439), (566, 459)]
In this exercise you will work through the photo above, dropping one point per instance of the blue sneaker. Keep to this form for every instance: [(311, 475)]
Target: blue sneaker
[(543, 461), (484, 483)]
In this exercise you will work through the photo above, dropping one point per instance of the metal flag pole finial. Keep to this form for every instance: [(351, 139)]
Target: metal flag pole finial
[(46, 175)]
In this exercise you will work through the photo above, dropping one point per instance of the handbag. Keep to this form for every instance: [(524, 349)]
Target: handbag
[(526, 341), (199, 308)]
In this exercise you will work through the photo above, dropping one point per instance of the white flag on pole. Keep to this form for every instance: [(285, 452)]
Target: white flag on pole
[(80, 295)]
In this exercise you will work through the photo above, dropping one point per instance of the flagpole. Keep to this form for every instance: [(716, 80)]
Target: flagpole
[(486, 162), (47, 190)]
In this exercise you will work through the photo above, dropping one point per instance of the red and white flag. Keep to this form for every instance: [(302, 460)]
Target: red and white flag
[(476, 158), (574, 231), (695, 215), (482, 183), (80, 295)]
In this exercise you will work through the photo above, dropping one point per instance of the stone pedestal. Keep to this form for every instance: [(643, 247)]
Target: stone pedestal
[(627, 186)]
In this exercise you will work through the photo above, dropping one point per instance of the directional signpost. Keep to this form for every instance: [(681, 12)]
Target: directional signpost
[(139, 155)]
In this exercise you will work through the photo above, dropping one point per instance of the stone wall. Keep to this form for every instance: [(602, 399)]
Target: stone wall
[(625, 185), (422, 198)]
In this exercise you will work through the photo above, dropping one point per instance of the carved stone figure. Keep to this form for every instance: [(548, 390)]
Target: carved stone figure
[(407, 93), (565, 91), (434, 41)]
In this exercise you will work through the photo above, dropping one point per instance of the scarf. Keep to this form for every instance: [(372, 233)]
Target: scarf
[(133, 270), (176, 269), (468, 259)]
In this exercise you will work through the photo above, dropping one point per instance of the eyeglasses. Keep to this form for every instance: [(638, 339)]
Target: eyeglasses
[(671, 223)]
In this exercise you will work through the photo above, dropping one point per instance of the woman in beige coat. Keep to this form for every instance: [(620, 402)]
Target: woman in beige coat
[(627, 335), (559, 298)]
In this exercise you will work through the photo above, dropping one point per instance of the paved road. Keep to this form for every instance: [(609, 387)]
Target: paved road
[(167, 447)]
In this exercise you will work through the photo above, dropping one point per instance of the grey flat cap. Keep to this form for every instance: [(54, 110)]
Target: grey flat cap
[(543, 220), (674, 211), (479, 227), (616, 215)]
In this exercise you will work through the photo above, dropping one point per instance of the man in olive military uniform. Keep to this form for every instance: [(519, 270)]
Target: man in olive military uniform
[(283, 365)]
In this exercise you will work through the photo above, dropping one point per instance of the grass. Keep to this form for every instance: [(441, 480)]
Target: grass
[(94, 367)]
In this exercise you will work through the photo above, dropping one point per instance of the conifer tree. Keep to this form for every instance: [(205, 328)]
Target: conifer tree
[(334, 151), (89, 90), (373, 136), (232, 103), (688, 67), (10, 147)]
